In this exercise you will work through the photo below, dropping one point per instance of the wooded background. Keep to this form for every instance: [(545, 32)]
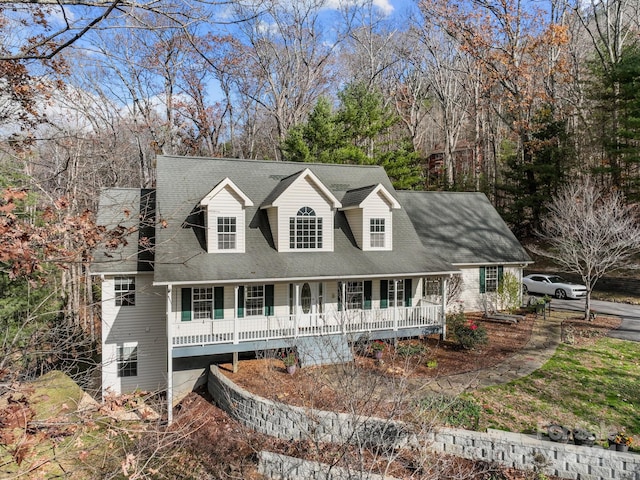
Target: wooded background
[(512, 98)]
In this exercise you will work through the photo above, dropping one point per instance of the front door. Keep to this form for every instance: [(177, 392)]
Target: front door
[(311, 303)]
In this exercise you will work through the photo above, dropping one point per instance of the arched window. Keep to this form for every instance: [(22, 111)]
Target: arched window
[(305, 230)]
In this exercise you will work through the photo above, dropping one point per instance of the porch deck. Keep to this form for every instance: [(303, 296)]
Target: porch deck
[(259, 328)]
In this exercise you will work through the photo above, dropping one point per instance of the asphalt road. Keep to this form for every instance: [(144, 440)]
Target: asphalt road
[(630, 314)]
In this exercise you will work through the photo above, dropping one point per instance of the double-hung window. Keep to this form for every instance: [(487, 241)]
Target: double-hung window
[(227, 233), (432, 287), (396, 293), (202, 303), (490, 277), (127, 360), (254, 300), (125, 289), (305, 230), (354, 295), (377, 232)]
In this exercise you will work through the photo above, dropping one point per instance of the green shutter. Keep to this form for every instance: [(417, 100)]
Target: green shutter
[(291, 299), (186, 304), (241, 301), (384, 293), (500, 274), (340, 296), (268, 299), (367, 295), (218, 302), (483, 286), (408, 292)]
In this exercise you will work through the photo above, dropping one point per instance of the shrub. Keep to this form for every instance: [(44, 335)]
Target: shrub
[(509, 290), (411, 349), (466, 332), (456, 412)]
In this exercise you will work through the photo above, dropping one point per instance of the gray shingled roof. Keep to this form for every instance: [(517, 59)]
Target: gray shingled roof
[(280, 188), (125, 207), (181, 257), (356, 196), (463, 228)]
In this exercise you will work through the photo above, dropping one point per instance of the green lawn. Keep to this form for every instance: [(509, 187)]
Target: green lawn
[(595, 386)]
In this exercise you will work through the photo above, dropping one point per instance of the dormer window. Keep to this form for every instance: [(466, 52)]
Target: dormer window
[(227, 233), (305, 230), (224, 208), (377, 232), (369, 211)]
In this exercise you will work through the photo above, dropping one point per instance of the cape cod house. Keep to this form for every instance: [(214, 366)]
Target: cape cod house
[(229, 256)]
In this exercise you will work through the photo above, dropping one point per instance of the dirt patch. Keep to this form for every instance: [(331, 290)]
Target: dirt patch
[(577, 331), (408, 362), (427, 358)]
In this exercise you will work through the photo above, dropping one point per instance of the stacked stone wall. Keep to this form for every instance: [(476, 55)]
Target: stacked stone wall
[(523, 452)]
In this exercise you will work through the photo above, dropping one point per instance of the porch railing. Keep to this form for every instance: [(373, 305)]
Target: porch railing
[(249, 329)]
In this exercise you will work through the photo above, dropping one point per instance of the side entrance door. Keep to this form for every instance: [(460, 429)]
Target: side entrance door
[(311, 304)]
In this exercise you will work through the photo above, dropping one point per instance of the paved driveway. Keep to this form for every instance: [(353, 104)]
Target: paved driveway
[(630, 314)]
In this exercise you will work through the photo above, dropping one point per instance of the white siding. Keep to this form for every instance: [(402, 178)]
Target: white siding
[(281, 299), (304, 194), (377, 207), (470, 298), (354, 217), (272, 214), (226, 203), (143, 324)]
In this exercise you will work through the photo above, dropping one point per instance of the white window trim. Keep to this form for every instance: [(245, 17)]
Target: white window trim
[(129, 293), (248, 312), (297, 224), (491, 278), (352, 292), (375, 224), (195, 313), (222, 236), (121, 361), (391, 296)]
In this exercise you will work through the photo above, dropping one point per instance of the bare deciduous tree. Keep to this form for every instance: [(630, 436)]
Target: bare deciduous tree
[(590, 231)]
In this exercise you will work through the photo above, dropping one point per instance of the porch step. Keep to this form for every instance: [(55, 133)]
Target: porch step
[(324, 350)]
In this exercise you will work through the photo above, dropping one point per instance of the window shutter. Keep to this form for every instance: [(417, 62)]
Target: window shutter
[(384, 293), (500, 274), (367, 295), (241, 301), (483, 287), (268, 299), (340, 296), (292, 302), (218, 302), (186, 305), (408, 292)]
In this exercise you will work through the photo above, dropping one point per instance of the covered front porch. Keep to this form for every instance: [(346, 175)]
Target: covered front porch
[(237, 331)]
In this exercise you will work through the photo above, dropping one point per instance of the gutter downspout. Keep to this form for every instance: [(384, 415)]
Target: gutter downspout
[(169, 357)]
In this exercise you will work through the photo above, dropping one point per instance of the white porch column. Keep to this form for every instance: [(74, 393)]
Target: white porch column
[(235, 314), (444, 308), (296, 324), (169, 355), (395, 305), (343, 296)]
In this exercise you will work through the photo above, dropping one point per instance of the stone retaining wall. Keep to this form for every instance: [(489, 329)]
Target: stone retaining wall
[(524, 452), (282, 467), (508, 449), (296, 423)]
